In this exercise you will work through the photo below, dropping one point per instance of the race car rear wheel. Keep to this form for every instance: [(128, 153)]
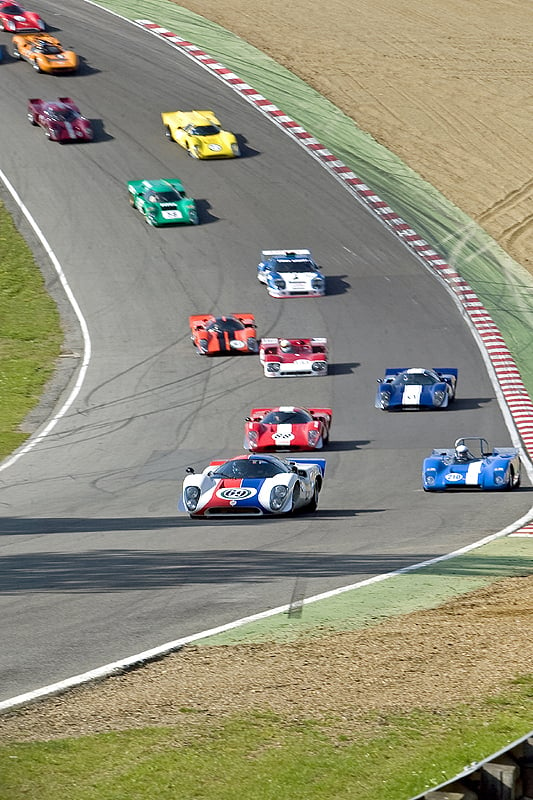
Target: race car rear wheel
[(313, 503), (514, 480)]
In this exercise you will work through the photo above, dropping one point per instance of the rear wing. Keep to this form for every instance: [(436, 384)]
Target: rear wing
[(309, 462), (441, 371), (269, 253)]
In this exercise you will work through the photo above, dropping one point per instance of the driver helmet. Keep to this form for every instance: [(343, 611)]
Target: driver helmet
[(462, 452), (285, 346)]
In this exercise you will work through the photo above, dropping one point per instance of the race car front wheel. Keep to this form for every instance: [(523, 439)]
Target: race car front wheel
[(167, 132), (31, 118), (36, 66), (16, 53), (193, 152)]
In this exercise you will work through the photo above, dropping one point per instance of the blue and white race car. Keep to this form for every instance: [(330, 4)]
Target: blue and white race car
[(471, 466), (416, 388), (291, 273), (253, 486)]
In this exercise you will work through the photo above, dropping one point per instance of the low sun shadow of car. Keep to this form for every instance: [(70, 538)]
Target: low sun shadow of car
[(464, 403), (338, 445), (335, 284), (244, 147), (346, 368), (85, 68), (204, 212), (99, 132)]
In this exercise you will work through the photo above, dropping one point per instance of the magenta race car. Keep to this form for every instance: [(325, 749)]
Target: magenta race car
[(15, 19), (60, 119)]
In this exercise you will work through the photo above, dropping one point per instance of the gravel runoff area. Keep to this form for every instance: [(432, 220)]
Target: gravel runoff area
[(470, 647), (445, 86)]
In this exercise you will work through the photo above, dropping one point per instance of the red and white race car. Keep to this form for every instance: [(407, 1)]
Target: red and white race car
[(15, 19), (60, 119), (287, 428), (289, 357)]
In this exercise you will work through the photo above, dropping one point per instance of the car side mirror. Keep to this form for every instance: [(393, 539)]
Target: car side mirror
[(190, 470), (247, 419)]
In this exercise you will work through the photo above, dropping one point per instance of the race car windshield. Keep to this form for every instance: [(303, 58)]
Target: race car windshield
[(12, 10), (172, 196), (204, 130), (250, 468), (61, 114), (415, 379), (287, 417), (220, 325), (295, 266), (50, 49)]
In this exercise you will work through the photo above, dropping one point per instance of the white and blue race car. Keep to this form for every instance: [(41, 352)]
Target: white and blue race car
[(291, 273), (253, 486), (471, 464), (416, 388)]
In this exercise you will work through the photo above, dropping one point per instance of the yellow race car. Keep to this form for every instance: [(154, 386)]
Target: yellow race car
[(44, 53), (199, 132)]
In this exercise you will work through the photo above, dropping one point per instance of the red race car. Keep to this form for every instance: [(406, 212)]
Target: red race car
[(60, 119), (287, 428), (15, 19), (288, 357), (213, 336)]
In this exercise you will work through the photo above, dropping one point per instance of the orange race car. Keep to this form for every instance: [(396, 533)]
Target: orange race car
[(224, 335), (44, 53)]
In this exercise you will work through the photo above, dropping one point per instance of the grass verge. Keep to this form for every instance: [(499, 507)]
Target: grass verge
[(262, 756), (30, 334)]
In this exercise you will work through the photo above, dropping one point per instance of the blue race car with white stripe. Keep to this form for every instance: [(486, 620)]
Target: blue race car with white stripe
[(416, 388), (471, 464), (291, 273)]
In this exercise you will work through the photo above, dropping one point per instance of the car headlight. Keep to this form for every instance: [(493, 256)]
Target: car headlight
[(438, 397), (317, 283), (318, 366), (279, 283), (191, 495), (235, 149), (252, 344), (384, 399), (278, 495), (273, 366), (203, 344), (430, 480), (253, 438), (313, 437)]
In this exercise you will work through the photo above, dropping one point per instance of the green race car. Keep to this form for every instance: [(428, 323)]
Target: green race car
[(162, 201)]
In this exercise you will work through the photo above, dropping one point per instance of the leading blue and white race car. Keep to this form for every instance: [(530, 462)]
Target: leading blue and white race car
[(291, 273), (471, 464), (416, 388), (253, 486)]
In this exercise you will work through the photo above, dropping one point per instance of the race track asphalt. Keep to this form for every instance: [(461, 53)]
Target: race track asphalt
[(95, 562)]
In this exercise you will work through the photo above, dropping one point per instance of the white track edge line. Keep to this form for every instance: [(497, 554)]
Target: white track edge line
[(82, 370)]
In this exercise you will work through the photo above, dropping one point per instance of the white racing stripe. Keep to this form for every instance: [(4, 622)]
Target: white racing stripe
[(411, 395), (472, 473)]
